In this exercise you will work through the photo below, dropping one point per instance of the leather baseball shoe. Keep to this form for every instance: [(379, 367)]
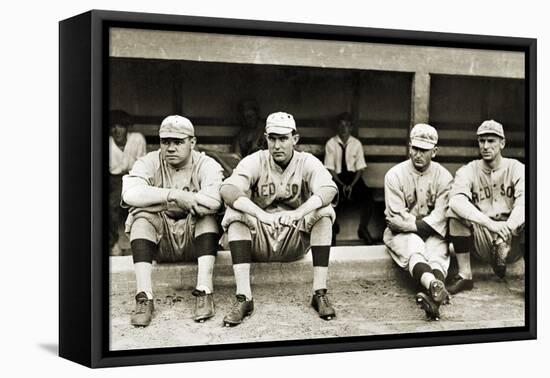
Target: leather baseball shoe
[(438, 292), (459, 284), (429, 306), (321, 304), (144, 310), (204, 305), (241, 309)]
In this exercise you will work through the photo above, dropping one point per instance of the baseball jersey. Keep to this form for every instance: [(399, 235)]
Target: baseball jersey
[(122, 160), (495, 192), (202, 175), (270, 186), (355, 157), (415, 195)]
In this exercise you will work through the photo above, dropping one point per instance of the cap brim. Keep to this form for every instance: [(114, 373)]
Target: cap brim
[(278, 130), (492, 132), (422, 144), (174, 135)]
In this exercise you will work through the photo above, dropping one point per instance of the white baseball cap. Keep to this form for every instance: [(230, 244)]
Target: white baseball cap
[(423, 136), (280, 123), (176, 126), (491, 127)]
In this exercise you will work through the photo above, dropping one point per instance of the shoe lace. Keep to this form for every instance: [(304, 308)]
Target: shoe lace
[(141, 306), (324, 300), (202, 300)]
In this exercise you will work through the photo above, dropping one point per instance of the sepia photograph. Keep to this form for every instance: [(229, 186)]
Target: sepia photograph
[(276, 188)]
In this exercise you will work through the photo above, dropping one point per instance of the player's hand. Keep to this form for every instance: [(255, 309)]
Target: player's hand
[(397, 224), (289, 218), (500, 228), (269, 219), (185, 200)]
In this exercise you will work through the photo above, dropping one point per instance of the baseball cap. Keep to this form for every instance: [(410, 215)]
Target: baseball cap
[(491, 127), (423, 136), (176, 126), (280, 123)]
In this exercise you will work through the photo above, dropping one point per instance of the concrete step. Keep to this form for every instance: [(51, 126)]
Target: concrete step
[(346, 264)]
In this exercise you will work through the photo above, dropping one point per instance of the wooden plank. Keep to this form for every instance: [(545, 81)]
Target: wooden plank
[(210, 47)]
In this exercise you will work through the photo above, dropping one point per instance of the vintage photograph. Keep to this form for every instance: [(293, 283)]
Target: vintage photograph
[(268, 188)]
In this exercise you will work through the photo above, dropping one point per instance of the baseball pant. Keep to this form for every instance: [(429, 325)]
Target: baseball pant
[(402, 246), (175, 237), (483, 239), (290, 244)]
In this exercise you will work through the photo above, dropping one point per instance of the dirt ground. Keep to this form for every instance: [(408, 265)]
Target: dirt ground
[(283, 312)]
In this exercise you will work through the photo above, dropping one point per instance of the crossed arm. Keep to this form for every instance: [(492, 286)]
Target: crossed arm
[(237, 199)]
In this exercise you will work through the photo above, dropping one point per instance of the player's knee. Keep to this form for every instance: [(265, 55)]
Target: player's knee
[(206, 224), (321, 232), (143, 228), (238, 231), (458, 228)]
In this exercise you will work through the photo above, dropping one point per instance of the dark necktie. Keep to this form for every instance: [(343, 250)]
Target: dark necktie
[(344, 165)]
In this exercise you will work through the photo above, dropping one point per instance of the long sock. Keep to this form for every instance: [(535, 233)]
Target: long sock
[(242, 279), (319, 277), (143, 278), (464, 267), (205, 273)]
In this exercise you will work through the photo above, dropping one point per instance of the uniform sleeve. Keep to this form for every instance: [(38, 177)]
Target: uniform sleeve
[(210, 179), (246, 173), (437, 218), (317, 175), (330, 156), (395, 198), (142, 173), (359, 157), (517, 217), (462, 183)]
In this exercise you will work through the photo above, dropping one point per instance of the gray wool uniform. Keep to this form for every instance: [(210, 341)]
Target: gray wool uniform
[(413, 196)]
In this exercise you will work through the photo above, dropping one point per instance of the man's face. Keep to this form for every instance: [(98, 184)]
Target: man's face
[(490, 146), (281, 146), (250, 118), (344, 129), (176, 151), (420, 157), (119, 133)]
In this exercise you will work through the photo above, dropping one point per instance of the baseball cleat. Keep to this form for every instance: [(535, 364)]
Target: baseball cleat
[(438, 292), (204, 306), (459, 284), (322, 305), (428, 305), (144, 311), (241, 309), (500, 254)]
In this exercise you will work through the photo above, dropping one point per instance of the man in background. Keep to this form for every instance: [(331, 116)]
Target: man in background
[(124, 149)]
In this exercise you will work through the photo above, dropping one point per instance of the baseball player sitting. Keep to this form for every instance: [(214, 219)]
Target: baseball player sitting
[(174, 196), (487, 208), (416, 195), (279, 203)]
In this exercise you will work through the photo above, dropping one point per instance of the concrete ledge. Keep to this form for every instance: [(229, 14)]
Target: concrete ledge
[(346, 264)]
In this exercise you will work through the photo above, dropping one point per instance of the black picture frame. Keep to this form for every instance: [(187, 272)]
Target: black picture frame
[(83, 110)]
